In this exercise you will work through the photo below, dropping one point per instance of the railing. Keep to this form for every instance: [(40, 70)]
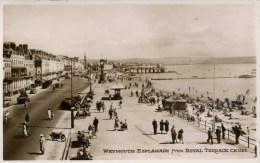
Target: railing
[(244, 140)]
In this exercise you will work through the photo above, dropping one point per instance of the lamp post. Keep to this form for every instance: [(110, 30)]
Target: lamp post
[(90, 85), (72, 103)]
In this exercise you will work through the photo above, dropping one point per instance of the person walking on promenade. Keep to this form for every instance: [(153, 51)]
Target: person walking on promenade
[(166, 123), (237, 133), (95, 123), (173, 132), (180, 135), (171, 111), (27, 118), (120, 104), (42, 143), (116, 123), (210, 136), (103, 106), (161, 126), (218, 133), (223, 130), (154, 127), (110, 112)]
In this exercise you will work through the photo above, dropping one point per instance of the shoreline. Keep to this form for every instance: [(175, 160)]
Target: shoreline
[(237, 118)]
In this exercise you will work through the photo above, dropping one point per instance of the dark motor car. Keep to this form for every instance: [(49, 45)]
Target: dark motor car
[(46, 84)]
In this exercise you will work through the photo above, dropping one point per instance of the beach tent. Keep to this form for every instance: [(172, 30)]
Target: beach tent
[(117, 89), (176, 104)]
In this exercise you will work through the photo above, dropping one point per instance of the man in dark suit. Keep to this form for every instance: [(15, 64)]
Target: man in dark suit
[(154, 126)]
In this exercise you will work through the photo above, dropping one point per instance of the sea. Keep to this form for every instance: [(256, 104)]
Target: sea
[(202, 79)]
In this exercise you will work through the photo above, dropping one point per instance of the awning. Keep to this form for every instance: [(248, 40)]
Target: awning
[(117, 86), (19, 68)]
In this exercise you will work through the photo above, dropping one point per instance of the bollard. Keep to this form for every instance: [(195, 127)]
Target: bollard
[(205, 125), (228, 133)]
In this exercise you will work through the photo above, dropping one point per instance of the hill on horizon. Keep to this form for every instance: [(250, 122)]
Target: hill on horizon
[(184, 60)]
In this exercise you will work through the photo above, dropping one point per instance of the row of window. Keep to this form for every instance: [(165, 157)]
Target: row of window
[(7, 74), (8, 65)]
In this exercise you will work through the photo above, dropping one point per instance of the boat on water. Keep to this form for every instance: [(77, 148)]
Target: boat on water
[(246, 76)]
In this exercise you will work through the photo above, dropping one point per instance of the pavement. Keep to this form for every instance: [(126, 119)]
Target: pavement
[(139, 142)]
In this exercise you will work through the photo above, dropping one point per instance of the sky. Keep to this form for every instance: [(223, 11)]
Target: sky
[(133, 30)]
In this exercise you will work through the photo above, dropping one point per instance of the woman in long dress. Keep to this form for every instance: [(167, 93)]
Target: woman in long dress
[(116, 123), (25, 130)]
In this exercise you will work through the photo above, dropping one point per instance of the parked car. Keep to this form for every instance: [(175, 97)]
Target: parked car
[(46, 84), (66, 103), (33, 91), (7, 102)]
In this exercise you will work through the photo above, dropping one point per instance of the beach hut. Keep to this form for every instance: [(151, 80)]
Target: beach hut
[(176, 104), (117, 88)]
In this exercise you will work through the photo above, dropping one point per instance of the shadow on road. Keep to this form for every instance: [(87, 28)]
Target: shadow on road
[(111, 130), (50, 127), (202, 143), (167, 142), (34, 153), (45, 119), (148, 134), (107, 119), (19, 137)]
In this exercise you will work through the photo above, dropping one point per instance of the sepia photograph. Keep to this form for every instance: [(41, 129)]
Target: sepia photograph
[(129, 80)]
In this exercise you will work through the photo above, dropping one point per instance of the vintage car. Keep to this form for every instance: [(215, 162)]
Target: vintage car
[(46, 84), (7, 102), (66, 103)]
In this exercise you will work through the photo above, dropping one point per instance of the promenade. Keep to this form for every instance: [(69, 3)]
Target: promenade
[(111, 144)]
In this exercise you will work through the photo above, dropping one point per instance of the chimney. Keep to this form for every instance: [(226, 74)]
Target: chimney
[(13, 46), (25, 48)]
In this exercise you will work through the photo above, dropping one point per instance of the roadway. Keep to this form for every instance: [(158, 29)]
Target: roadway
[(18, 147)]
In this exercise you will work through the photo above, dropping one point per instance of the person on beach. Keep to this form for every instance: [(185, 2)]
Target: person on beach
[(154, 127), (173, 134), (218, 133), (223, 130), (166, 123), (210, 138), (180, 135), (161, 126)]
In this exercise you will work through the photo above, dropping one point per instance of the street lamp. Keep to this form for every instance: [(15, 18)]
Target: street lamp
[(90, 85), (72, 102)]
